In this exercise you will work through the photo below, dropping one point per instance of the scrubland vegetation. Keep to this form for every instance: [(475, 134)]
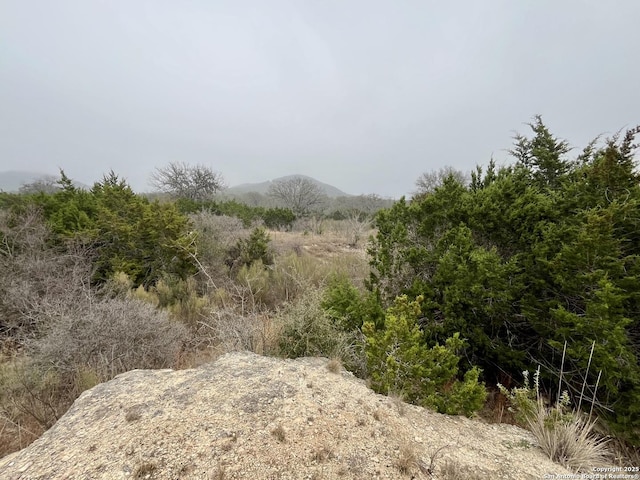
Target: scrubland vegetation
[(461, 288)]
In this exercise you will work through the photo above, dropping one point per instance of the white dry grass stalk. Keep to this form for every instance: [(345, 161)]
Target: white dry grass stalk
[(586, 374), (564, 352), (594, 394)]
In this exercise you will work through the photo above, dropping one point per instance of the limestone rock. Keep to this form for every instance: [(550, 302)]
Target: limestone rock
[(250, 417)]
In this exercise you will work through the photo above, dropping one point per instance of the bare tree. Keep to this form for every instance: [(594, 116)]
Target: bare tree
[(194, 182), (429, 181), (299, 194), (46, 184)]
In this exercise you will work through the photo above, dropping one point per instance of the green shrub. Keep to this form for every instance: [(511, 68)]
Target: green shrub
[(348, 307), (250, 250), (275, 218), (400, 362), (278, 218), (125, 231)]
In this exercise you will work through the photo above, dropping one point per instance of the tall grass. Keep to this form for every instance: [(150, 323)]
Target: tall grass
[(567, 436)]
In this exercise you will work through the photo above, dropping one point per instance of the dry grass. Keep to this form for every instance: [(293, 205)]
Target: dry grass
[(454, 471), (322, 453), (625, 454), (407, 460), (17, 433), (398, 402), (144, 470), (279, 433), (331, 249), (229, 331), (331, 241), (334, 365), (31, 400), (566, 436), (571, 442)]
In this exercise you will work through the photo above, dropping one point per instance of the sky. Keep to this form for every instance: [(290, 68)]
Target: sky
[(362, 94)]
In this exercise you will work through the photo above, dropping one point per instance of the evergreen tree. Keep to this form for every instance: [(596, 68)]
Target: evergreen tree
[(526, 258)]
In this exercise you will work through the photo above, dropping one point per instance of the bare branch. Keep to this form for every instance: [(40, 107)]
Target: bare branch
[(301, 195), (429, 181), (194, 182)]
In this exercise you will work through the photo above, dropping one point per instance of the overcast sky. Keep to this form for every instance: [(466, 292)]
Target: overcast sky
[(362, 94)]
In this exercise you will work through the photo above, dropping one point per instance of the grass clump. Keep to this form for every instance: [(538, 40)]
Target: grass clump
[(407, 460), (322, 453), (145, 470), (279, 433), (567, 436), (569, 440), (399, 403), (454, 471), (334, 365)]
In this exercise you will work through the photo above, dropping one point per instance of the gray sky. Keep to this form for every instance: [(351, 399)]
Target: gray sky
[(361, 94)]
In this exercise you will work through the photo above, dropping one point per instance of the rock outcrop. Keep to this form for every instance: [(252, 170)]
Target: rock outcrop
[(250, 417)]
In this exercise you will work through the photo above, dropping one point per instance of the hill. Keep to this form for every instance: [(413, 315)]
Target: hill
[(248, 416), (263, 187), (11, 181)]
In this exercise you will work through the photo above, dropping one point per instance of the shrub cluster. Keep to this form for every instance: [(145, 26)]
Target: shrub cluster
[(526, 257), (111, 336), (275, 218)]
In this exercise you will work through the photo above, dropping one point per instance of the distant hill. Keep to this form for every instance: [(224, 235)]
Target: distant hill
[(11, 181), (263, 187)]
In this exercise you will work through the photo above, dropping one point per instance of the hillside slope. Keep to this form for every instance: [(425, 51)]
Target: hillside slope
[(247, 416)]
